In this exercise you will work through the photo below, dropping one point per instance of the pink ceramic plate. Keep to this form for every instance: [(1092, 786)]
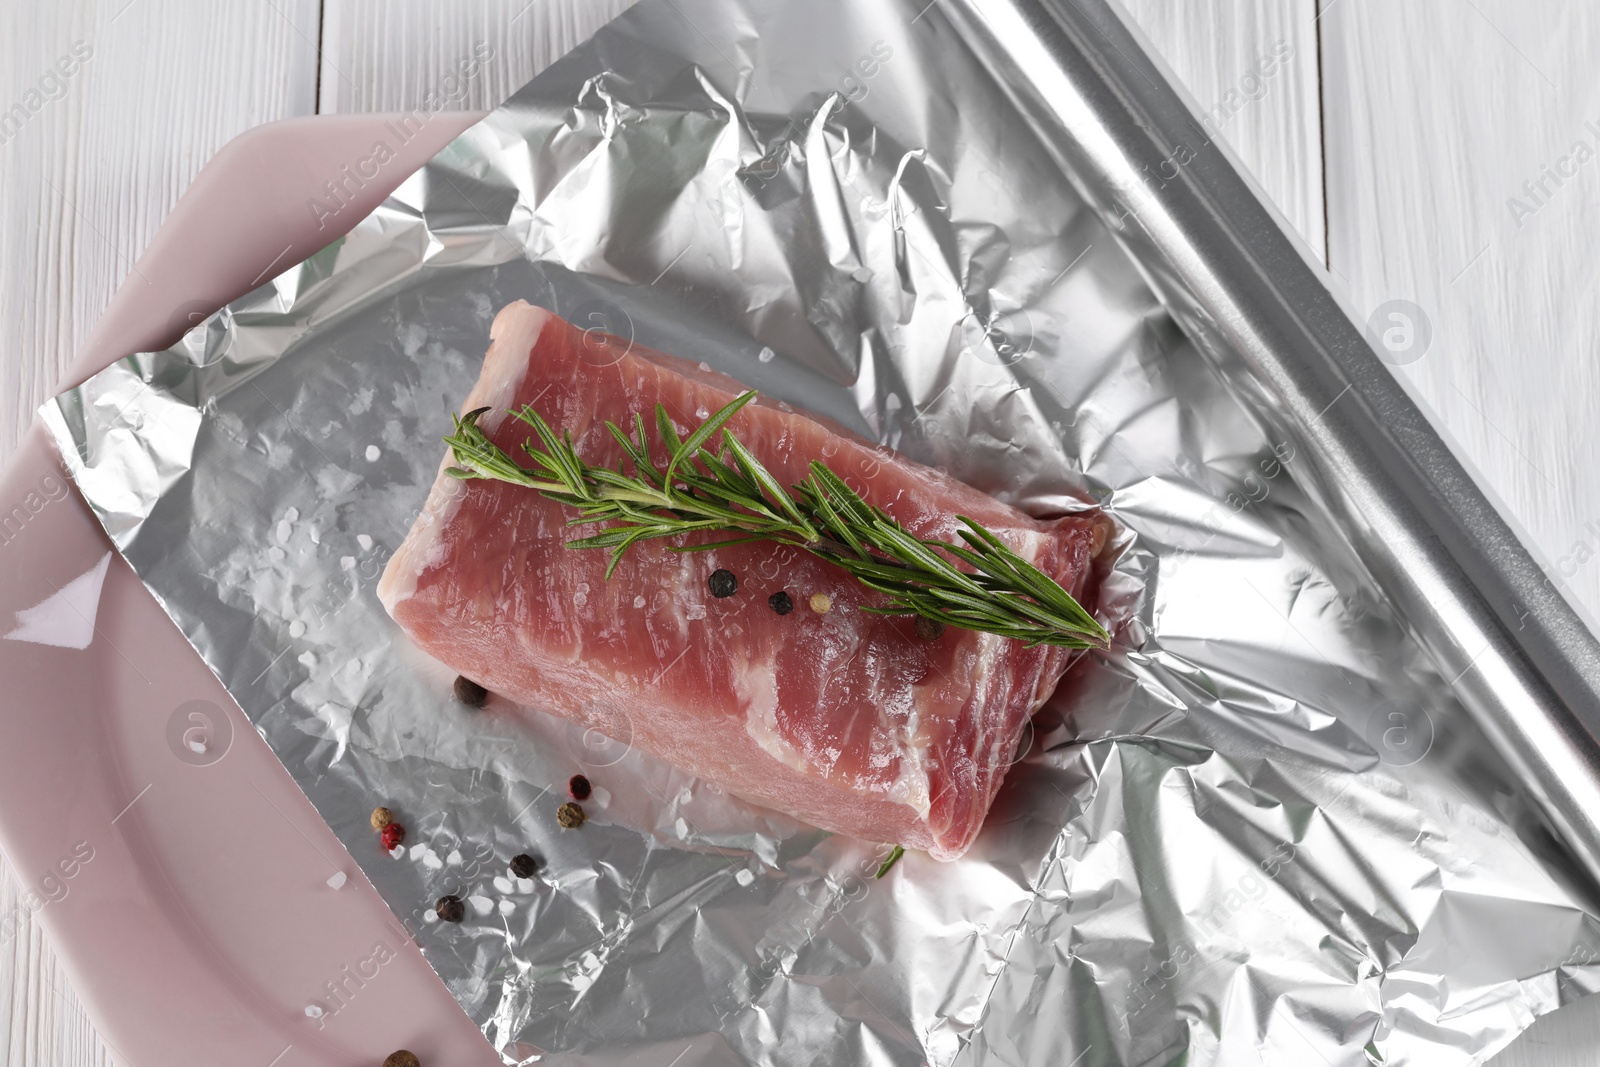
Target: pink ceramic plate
[(197, 900)]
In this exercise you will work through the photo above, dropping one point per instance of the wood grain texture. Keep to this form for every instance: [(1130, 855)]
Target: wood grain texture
[(1438, 112), (89, 175), (1447, 110), (390, 55), (41, 1021), (103, 145), (1251, 67)]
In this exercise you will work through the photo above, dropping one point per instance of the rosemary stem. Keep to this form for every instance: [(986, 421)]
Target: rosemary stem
[(731, 492)]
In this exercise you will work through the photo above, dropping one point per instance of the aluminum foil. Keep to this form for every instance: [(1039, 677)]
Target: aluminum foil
[(1260, 829)]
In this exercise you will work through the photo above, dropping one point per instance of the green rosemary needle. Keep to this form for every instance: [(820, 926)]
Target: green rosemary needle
[(894, 858), (731, 492)]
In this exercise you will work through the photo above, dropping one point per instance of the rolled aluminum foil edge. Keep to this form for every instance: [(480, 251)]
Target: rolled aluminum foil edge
[(1523, 659)]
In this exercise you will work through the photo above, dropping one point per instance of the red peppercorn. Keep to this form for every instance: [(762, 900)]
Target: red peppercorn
[(579, 787), (392, 837)]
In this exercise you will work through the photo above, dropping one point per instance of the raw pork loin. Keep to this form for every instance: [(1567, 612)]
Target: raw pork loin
[(845, 719)]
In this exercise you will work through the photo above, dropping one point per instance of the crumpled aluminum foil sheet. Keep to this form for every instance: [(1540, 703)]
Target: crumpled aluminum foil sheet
[(1258, 830)]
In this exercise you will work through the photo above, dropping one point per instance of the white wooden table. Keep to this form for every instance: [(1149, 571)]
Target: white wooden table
[(1428, 150)]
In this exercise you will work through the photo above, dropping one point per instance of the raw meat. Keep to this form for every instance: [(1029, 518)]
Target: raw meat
[(844, 719)]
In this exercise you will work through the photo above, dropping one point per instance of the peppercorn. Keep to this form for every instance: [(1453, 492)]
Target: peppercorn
[(781, 602), (579, 787), (381, 817), (393, 836), (402, 1059), (570, 816), (449, 908), (723, 583), (929, 629), (469, 692), (821, 603), (523, 865)]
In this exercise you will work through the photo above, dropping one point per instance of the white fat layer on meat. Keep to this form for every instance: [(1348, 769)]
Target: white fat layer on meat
[(911, 784), (1032, 541), (757, 687), (501, 391), (898, 717), (423, 548), (990, 651)]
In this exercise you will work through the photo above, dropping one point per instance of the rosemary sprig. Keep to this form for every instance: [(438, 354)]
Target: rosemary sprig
[(894, 858), (731, 492)]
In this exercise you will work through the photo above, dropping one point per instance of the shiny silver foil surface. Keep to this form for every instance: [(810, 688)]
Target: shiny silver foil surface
[(1259, 830)]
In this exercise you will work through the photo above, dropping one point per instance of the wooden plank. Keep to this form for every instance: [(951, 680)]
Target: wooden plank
[(1439, 202), (1251, 67), (106, 112), (93, 159), (1445, 123), (392, 55), (41, 1021)]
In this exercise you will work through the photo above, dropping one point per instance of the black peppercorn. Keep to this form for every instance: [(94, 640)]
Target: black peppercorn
[(723, 583), (569, 816), (402, 1059), (523, 865), (929, 629), (781, 602), (449, 908), (469, 692), (579, 787)]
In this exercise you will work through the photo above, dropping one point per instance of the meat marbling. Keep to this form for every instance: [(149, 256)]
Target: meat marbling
[(845, 719)]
